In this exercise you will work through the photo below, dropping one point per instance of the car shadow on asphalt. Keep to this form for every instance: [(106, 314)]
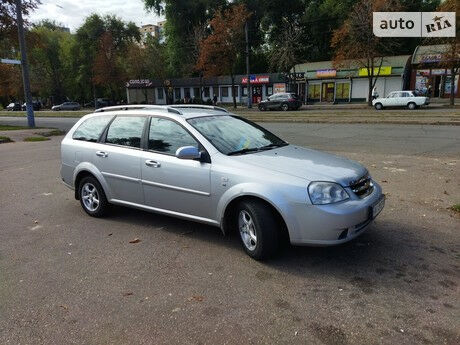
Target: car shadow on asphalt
[(387, 246)]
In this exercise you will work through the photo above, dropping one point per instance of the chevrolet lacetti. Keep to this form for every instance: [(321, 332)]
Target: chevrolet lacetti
[(205, 164)]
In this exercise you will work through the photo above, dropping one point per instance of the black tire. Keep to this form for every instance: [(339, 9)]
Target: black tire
[(103, 204), (411, 106), (262, 107), (284, 107), (266, 229), (378, 106)]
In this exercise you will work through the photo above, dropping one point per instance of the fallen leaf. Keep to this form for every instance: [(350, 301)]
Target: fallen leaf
[(125, 294), (196, 298), (110, 234), (63, 306), (136, 240), (384, 181)]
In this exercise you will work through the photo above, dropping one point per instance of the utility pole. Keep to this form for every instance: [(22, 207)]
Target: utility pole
[(25, 66), (246, 29)]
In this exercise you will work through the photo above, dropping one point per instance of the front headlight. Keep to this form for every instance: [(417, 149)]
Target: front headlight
[(322, 193)]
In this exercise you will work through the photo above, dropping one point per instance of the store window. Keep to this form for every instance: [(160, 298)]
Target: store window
[(342, 91), (235, 91), (245, 91), (224, 91), (177, 93), (314, 91), (206, 92), (196, 92), (269, 90), (160, 93), (187, 92)]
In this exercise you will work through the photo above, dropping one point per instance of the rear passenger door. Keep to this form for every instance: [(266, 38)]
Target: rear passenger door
[(118, 158)]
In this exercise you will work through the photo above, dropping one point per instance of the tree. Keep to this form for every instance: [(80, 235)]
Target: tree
[(355, 43), (183, 18), (220, 50), (105, 38), (450, 58), (8, 14)]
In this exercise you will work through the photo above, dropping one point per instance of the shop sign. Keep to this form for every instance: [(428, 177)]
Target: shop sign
[(279, 88), (423, 72), (383, 70), (262, 79), (326, 73), (139, 83), (430, 58), (438, 71)]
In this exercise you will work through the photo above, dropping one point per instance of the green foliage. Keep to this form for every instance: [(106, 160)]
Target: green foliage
[(34, 139)]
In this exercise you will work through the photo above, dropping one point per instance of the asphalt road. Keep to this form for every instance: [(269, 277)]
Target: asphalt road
[(67, 278), (363, 138)]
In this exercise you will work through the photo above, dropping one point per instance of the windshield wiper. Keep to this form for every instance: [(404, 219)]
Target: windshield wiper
[(243, 151), (272, 145), (256, 149)]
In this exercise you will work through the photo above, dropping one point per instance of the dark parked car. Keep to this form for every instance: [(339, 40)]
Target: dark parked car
[(67, 106), (35, 105), (13, 107), (283, 101)]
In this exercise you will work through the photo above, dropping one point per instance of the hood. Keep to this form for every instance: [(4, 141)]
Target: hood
[(306, 163)]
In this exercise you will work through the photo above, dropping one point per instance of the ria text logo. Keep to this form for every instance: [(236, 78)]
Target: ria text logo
[(414, 24)]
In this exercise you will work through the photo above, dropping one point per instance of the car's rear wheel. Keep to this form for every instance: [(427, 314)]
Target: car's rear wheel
[(378, 106), (262, 107), (92, 197), (284, 107), (258, 229), (411, 106)]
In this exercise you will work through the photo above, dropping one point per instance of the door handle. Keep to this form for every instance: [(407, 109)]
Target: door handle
[(101, 154), (152, 163)]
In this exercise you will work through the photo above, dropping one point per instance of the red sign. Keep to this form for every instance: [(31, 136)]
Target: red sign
[(263, 79)]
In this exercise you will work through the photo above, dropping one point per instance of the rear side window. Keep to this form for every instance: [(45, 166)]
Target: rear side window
[(167, 136), (126, 131), (91, 129)]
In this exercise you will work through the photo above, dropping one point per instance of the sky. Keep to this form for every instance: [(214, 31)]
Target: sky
[(72, 13)]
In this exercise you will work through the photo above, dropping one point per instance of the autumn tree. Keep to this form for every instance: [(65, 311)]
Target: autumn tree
[(220, 50), (354, 42), (450, 58)]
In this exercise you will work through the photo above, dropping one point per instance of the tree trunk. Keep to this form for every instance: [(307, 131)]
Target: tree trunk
[(233, 91), (452, 86), (369, 94)]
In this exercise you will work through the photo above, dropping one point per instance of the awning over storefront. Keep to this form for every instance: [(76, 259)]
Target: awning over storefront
[(431, 54)]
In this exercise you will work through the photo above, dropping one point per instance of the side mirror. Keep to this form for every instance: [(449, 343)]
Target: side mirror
[(188, 152)]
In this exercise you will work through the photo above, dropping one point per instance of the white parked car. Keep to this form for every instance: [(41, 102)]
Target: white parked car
[(407, 99)]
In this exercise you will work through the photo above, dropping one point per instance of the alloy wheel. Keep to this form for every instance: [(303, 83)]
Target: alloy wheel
[(90, 197), (247, 230)]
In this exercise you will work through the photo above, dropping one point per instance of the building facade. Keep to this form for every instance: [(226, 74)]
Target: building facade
[(323, 82), (187, 89)]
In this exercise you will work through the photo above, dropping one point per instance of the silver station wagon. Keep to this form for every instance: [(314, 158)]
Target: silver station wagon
[(205, 164)]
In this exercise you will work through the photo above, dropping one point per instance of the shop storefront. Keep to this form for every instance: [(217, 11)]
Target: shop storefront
[(189, 90), (429, 76), (329, 84)]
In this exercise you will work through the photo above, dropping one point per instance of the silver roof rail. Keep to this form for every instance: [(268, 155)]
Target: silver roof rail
[(138, 106), (197, 106)]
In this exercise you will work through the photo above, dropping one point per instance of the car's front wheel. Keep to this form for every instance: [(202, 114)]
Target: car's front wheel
[(411, 106), (378, 106), (258, 229), (284, 107), (92, 197)]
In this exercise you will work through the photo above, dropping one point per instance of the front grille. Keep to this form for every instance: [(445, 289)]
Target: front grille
[(362, 187)]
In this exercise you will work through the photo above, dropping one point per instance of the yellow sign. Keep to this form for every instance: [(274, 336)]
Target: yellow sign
[(384, 70)]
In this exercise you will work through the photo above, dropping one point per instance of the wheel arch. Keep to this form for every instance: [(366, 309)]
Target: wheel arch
[(87, 169), (230, 210)]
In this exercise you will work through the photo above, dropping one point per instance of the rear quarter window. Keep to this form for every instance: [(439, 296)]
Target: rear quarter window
[(91, 129)]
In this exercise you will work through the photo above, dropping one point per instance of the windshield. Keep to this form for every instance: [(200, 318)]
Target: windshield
[(234, 135)]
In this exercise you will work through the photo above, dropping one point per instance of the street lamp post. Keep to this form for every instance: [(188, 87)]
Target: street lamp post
[(25, 66)]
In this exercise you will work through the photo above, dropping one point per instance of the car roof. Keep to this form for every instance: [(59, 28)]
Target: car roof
[(185, 111)]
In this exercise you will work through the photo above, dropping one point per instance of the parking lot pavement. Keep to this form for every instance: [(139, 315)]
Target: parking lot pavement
[(66, 278)]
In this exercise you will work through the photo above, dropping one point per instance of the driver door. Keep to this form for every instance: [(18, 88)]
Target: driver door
[(170, 183)]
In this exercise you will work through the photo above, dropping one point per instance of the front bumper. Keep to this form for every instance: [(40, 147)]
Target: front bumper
[(326, 225)]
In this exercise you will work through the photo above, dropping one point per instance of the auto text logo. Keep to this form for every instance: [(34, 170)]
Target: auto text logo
[(414, 24)]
